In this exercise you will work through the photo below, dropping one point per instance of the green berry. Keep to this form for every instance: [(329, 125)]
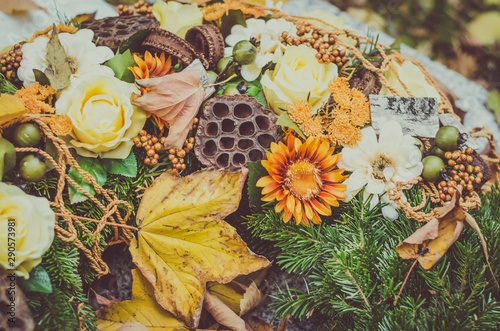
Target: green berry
[(31, 168), (212, 76), (419, 144), (433, 165), (244, 52), (27, 135), (447, 138), (438, 152), (232, 90), (222, 64), (7, 157)]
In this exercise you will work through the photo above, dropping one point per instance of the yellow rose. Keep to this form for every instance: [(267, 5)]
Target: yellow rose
[(177, 18), (104, 120), (412, 77), (27, 229), (298, 76)]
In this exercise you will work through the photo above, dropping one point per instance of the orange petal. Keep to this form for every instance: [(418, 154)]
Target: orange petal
[(280, 195), (321, 208), (264, 181), (322, 151), (308, 211), (334, 191), (271, 187), (280, 206), (312, 147), (287, 216), (329, 198), (329, 163), (290, 202), (269, 197), (316, 219), (332, 176)]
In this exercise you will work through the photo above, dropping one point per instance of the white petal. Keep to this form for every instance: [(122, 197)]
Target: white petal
[(388, 173), (391, 135), (375, 186), (250, 72), (390, 212), (368, 144)]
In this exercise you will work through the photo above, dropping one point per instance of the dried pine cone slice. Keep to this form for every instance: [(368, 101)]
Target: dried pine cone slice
[(207, 40), (113, 31), (234, 130), (159, 40)]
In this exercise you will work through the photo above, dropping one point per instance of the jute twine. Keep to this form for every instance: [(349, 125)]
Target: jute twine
[(112, 214), (429, 190)]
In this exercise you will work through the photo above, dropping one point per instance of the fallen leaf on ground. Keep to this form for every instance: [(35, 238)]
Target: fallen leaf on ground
[(58, 70), (103, 301), (133, 326), (174, 98), (254, 323), (10, 6), (142, 308), (10, 108), (21, 313), (430, 242), (222, 313), (183, 243), (283, 324)]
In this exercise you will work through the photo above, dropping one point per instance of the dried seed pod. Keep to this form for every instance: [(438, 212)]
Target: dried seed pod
[(207, 40), (233, 131), (113, 31)]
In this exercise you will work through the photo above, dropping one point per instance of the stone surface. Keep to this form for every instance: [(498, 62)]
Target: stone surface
[(418, 116)]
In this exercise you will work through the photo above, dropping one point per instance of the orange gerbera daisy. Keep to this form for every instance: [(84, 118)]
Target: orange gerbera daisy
[(302, 180), (151, 66)]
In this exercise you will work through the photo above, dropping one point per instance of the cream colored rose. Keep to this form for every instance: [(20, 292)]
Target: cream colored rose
[(104, 120), (298, 76), (412, 77), (27, 229), (177, 18)]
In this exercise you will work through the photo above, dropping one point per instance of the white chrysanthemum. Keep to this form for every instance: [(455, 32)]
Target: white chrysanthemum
[(267, 35), (380, 164), (84, 55)]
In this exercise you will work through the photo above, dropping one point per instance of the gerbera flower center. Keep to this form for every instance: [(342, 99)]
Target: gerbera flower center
[(303, 180), (379, 166)]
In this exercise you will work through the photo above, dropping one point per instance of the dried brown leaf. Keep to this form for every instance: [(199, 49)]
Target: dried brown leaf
[(254, 323), (283, 324), (222, 313), (176, 99), (103, 301), (58, 70)]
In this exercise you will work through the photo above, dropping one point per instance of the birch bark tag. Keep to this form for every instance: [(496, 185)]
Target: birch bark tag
[(418, 116), (204, 79)]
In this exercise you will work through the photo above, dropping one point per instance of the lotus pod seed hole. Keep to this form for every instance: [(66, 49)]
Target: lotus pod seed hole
[(247, 129), (228, 125), (210, 148), (105, 34), (265, 140), (220, 110), (242, 110), (223, 160), (212, 129), (263, 123), (226, 143), (255, 155), (239, 159), (122, 32), (244, 144)]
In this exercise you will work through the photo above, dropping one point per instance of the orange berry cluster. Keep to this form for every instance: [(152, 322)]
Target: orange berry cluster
[(152, 145), (461, 174), (326, 47), (10, 61), (177, 156), (140, 7)]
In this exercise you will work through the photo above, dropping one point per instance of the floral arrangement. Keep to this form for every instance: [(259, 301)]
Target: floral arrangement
[(191, 135)]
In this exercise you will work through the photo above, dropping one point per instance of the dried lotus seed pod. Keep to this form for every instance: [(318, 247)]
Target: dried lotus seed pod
[(234, 130)]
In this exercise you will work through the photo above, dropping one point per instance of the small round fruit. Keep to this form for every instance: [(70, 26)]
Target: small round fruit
[(7, 157), (433, 165), (32, 168), (438, 152), (222, 64), (231, 90), (244, 52), (447, 138), (212, 76), (27, 135), (419, 144)]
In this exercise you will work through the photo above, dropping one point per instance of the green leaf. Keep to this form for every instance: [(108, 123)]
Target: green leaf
[(120, 63), (126, 167), (284, 120), (493, 103), (39, 281), (256, 172), (92, 166), (58, 70), (41, 77), (234, 17), (134, 42)]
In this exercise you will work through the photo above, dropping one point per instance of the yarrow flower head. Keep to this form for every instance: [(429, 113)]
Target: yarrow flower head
[(302, 179), (377, 165), (84, 56), (266, 34)]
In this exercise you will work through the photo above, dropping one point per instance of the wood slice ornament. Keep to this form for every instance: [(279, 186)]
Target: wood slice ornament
[(233, 131), (113, 31)]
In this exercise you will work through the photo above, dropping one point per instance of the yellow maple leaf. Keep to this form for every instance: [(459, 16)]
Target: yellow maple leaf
[(183, 243), (142, 308), (10, 108)]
